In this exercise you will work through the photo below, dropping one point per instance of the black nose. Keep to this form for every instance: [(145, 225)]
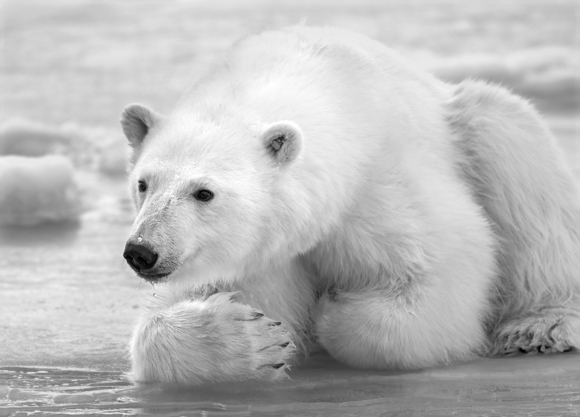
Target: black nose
[(139, 257)]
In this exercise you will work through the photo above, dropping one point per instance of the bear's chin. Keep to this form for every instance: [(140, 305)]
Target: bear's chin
[(155, 278)]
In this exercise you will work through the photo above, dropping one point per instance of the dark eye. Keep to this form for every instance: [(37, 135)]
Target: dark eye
[(142, 186), (203, 195)]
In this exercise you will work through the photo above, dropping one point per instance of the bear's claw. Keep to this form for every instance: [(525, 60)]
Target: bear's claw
[(548, 333), (215, 340)]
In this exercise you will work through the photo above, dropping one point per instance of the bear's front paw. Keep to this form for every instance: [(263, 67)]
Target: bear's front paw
[(216, 340)]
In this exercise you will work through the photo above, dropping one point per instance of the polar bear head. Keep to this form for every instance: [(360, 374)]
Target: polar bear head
[(206, 189)]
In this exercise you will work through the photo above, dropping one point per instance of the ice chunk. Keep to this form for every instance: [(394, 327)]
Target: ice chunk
[(19, 137), (26, 138), (37, 190)]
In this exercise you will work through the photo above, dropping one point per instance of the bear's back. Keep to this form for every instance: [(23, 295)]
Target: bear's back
[(331, 82)]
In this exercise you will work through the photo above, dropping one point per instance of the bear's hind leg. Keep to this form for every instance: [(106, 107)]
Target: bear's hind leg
[(520, 178), (549, 330)]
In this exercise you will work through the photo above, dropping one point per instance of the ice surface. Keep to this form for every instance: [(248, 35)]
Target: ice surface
[(534, 386), (36, 190)]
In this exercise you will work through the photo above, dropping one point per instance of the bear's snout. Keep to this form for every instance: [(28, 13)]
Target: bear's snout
[(139, 257)]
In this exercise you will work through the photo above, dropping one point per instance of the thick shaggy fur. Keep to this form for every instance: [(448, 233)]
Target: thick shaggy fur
[(395, 220)]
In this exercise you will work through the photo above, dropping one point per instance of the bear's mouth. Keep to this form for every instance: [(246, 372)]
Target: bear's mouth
[(153, 278)]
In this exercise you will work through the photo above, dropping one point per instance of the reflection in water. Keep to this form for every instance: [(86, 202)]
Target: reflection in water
[(494, 387)]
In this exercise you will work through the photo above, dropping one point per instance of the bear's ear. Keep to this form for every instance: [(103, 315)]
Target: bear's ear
[(283, 140), (136, 120)]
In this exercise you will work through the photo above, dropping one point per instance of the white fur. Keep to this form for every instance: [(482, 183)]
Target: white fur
[(405, 221)]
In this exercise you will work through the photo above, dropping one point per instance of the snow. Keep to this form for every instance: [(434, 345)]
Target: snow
[(36, 190)]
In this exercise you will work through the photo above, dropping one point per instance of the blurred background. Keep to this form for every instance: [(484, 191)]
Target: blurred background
[(67, 69)]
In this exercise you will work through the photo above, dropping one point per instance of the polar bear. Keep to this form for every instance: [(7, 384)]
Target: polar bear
[(313, 189)]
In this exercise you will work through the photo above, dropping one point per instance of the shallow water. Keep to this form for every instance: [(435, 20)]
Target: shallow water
[(532, 385)]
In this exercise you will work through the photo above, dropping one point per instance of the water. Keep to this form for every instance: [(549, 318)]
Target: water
[(523, 385), (68, 302)]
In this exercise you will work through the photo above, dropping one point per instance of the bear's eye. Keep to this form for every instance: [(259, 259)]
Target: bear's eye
[(142, 186), (203, 195)]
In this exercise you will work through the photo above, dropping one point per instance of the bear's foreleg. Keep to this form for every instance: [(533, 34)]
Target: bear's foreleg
[(373, 329), (194, 341)]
